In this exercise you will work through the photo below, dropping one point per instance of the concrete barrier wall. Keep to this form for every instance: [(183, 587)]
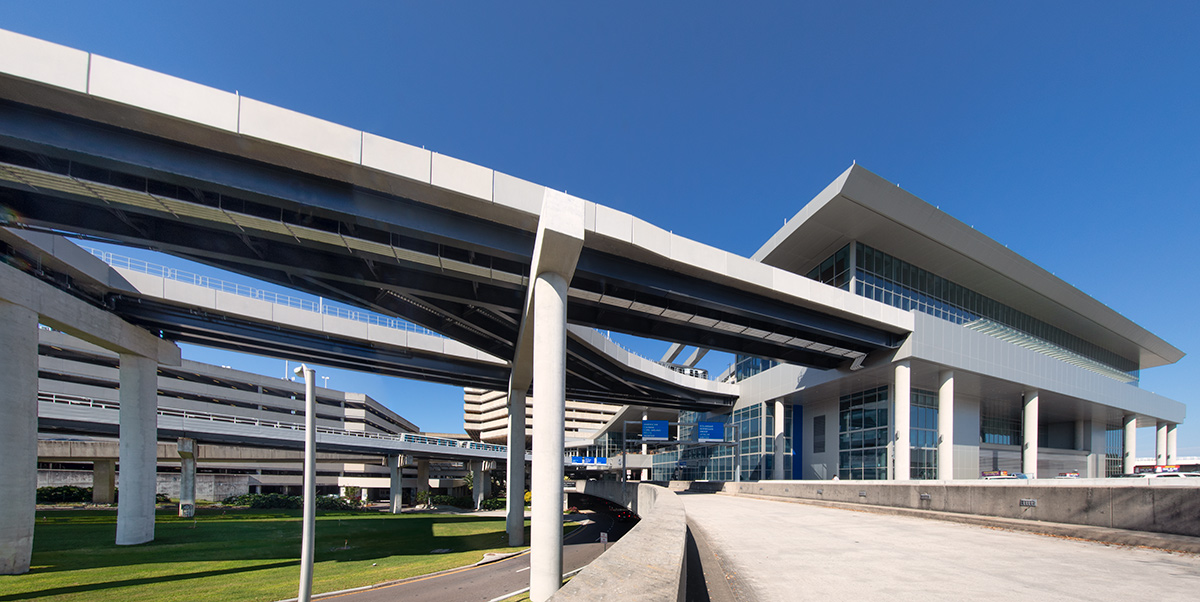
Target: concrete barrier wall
[(648, 563), (209, 487), (1146, 505)]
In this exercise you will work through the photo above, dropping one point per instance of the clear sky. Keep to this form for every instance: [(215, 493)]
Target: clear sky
[(1068, 131)]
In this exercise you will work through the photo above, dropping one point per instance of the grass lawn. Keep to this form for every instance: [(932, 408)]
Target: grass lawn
[(243, 555)]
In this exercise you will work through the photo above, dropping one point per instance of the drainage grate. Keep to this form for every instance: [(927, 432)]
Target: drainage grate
[(1028, 503), (925, 497)]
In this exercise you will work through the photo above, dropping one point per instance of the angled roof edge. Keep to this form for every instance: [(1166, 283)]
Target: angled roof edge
[(873, 193)]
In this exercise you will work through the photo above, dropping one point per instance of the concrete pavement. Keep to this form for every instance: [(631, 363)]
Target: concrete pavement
[(778, 551)]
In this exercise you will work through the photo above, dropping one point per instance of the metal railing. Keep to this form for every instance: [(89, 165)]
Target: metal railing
[(318, 306), (75, 400)]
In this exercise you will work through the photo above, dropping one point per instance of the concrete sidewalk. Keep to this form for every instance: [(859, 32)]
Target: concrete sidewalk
[(778, 551)]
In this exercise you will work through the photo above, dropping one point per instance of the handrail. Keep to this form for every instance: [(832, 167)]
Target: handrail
[(294, 426), (319, 306)]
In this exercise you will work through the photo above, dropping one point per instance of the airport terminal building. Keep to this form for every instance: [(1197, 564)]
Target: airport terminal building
[(1008, 368)]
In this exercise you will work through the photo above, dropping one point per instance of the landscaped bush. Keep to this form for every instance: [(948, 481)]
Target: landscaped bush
[(290, 502), (64, 495), (495, 503), (446, 500)]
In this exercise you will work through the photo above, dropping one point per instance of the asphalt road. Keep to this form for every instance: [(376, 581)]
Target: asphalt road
[(489, 581)]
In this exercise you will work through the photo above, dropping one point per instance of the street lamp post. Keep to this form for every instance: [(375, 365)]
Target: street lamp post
[(310, 483)]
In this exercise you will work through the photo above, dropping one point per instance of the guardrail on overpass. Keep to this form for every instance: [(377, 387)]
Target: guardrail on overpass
[(379, 442)]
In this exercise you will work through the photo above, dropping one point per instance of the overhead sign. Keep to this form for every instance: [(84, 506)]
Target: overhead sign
[(711, 432), (655, 430)]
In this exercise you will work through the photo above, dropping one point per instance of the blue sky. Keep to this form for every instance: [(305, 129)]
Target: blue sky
[(1068, 132)]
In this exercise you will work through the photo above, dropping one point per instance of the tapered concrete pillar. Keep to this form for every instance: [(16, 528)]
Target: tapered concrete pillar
[(1160, 444), (104, 481), (945, 436), (903, 418), (395, 466), (477, 484), (18, 436), (138, 447), (1029, 432), (423, 475), (777, 468), (549, 385), (645, 448), (514, 522), (1129, 458), (1172, 444), (187, 477)]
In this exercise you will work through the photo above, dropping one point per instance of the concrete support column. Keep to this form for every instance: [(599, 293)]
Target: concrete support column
[(138, 449), (945, 436), (1029, 432), (1172, 444), (549, 417), (104, 481), (1160, 444), (423, 474), (902, 470), (777, 469), (1130, 453), (514, 522), (395, 466), (645, 448), (477, 477), (1097, 449), (187, 477), (18, 436)]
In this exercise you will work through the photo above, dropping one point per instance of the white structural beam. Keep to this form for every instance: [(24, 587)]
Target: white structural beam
[(903, 407), (695, 357), (138, 449), (1029, 431), (18, 436), (945, 436), (478, 486), (672, 352), (1129, 457), (514, 522), (777, 468), (645, 448)]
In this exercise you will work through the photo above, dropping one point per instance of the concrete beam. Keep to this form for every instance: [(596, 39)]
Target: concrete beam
[(697, 355), (73, 316), (672, 352)]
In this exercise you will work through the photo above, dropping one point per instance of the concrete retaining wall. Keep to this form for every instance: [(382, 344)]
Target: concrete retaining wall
[(647, 564), (1147, 505), (209, 487)]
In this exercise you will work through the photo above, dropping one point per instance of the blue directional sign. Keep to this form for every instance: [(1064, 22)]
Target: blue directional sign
[(711, 432), (602, 461), (589, 460), (655, 430), (576, 459)]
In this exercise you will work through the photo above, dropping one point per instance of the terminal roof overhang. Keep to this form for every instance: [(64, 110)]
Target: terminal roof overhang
[(448, 255), (861, 206)]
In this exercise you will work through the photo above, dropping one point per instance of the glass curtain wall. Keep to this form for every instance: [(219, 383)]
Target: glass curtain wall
[(923, 434), (1114, 450), (863, 435)]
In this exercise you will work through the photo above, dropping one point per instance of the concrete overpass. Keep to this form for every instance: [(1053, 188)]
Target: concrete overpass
[(95, 147)]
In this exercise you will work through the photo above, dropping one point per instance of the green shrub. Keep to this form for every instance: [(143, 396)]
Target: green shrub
[(528, 497), (290, 502), (457, 502), (64, 495), (495, 503), (423, 497)]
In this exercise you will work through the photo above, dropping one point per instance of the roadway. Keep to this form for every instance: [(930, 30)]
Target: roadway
[(772, 550), (486, 582)]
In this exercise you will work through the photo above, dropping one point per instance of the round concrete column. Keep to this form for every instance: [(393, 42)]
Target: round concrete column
[(549, 416), (645, 448), (945, 440), (395, 483), (18, 436), (777, 469), (1029, 431), (1172, 444), (1160, 444), (903, 418), (514, 522), (1129, 456), (137, 477)]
